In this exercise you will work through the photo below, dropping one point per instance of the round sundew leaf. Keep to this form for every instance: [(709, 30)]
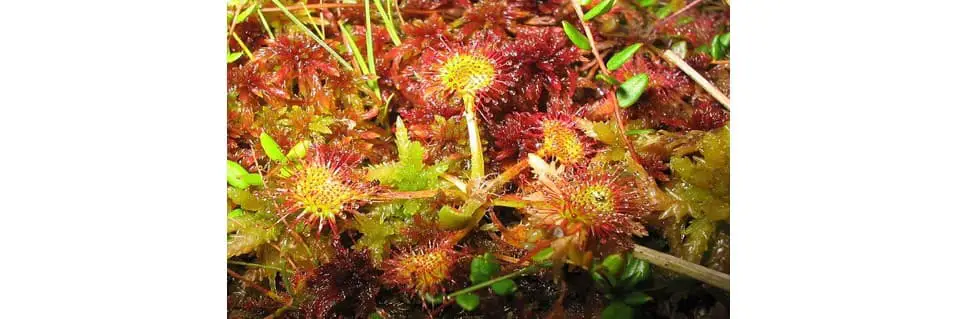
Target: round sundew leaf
[(272, 148), (619, 58), (575, 36), (599, 9), (630, 90), (504, 287), (468, 301)]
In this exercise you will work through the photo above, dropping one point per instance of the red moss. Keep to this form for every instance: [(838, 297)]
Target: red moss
[(489, 15), (697, 32), (547, 59), (251, 32), (655, 166), (667, 83), (249, 86), (297, 59), (348, 279), (708, 114)]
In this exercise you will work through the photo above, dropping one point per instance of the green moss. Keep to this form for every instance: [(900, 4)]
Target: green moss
[(250, 230), (701, 188)]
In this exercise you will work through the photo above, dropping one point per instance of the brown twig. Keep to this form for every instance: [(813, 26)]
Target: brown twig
[(672, 263), (593, 44), (703, 82)]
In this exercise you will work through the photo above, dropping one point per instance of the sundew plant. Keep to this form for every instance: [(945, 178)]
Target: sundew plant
[(492, 158)]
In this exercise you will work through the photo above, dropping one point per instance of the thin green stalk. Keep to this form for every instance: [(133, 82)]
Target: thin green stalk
[(369, 35), (388, 21), (243, 46), (473, 129), (382, 117), (258, 266), (514, 203), (314, 36), (266, 26), (354, 50), (488, 283), (310, 17)]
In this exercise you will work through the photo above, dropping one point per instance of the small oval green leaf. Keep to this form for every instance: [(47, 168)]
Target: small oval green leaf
[(599, 9), (246, 12), (646, 3), (631, 89), (468, 301), (543, 255), (234, 169), (619, 58), (483, 267), (575, 36), (253, 179), (231, 57), (636, 298), (613, 264), (680, 48), (639, 132), (272, 148), (617, 310), (608, 79), (299, 150), (725, 39), (452, 219), (504, 287), (235, 173)]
